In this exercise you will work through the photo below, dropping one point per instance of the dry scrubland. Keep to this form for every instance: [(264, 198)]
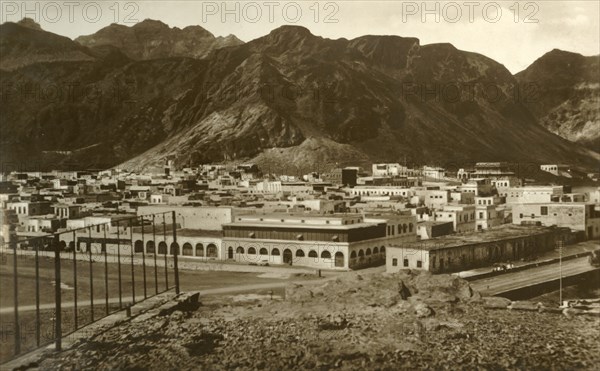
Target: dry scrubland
[(354, 322)]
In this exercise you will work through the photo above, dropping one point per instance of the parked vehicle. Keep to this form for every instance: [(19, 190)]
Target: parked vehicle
[(594, 258)]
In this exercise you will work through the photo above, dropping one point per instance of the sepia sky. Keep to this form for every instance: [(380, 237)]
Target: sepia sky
[(514, 33)]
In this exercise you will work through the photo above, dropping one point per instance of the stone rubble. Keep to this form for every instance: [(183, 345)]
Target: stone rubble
[(408, 320)]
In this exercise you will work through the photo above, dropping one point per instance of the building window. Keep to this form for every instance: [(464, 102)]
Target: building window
[(395, 262), (480, 215), (419, 264), (313, 254), (544, 210), (406, 262), (251, 250)]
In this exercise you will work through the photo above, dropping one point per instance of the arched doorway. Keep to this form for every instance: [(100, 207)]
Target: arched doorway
[(188, 250), (150, 247), (139, 246), (230, 252), (339, 259), (287, 256), (174, 248), (162, 247), (211, 251)]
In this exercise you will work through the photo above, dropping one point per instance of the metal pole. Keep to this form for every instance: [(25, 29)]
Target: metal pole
[(132, 263), (154, 246), (13, 246), (75, 310), (144, 257), (166, 251), (105, 270), (119, 264), (176, 252), (37, 293), (89, 246), (57, 296), (560, 248)]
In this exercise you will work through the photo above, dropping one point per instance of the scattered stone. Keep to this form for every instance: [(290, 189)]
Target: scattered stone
[(298, 293), (569, 312), (422, 310), (495, 302), (524, 305), (544, 309)]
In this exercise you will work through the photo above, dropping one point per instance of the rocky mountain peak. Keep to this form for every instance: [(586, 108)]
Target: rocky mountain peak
[(151, 24), (151, 39), (30, 23)]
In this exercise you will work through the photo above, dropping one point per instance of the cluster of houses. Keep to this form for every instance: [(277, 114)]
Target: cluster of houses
[(418, 218)]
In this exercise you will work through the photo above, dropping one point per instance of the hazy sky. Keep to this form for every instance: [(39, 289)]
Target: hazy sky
[(514, 33)]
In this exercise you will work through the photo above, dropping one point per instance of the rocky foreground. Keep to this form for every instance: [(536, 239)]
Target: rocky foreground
[(375, 321)]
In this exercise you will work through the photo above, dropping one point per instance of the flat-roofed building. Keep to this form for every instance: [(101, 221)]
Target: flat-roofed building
[(380, 191), (394, 169), (557, 170), (190, 217), (533, 194), (345, 241), (576, 216), (461, 216), (432, 229), (488, 216), (454, 253), (433, 198)]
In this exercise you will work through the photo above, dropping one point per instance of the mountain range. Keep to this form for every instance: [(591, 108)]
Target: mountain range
[(138, 96)]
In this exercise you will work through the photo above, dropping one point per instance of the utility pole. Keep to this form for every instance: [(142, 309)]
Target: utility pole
[(560, 251)]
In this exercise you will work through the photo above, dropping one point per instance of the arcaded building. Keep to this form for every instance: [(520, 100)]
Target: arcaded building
[(344, 241)]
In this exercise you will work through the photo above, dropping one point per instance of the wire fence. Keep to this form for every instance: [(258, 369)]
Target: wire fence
[(64, 281)]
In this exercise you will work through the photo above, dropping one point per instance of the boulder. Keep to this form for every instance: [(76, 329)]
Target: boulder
[(544, 309), (573, 312), (298, 293), (422, 310), (495, 302), (524, 305)]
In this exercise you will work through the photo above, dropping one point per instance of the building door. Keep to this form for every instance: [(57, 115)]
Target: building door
[(230, 253), (339, 259), (287, 256)]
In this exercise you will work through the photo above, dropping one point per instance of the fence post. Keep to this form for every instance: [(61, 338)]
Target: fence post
[(155, 253), (75, 310), (131, 221), (37, 292), (144, 255), (119, 263), (175, 266), (89, 246), (13, 247), (57, 295), (104, 246), (166, 253)]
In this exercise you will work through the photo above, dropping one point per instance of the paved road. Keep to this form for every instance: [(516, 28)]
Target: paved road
[(511, 281), (207, 292)]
